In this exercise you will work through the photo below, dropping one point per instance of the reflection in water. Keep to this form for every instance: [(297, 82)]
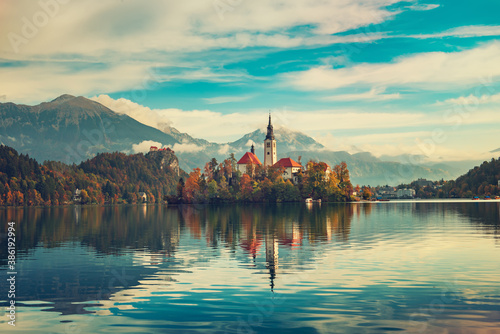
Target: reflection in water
[(365, 266), (272, 254)]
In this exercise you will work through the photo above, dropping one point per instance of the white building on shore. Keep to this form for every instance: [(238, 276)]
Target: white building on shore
[(405, 193)]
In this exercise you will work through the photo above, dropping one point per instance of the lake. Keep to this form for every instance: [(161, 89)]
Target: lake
[(417, 267)]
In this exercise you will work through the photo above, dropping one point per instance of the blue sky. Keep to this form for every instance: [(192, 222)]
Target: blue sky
[(384, 76)]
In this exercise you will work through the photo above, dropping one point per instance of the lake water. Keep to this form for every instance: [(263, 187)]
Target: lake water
[(417, 267)]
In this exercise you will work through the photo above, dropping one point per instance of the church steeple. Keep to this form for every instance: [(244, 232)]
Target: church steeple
[(270, 131), (270, 156), (252, 149)]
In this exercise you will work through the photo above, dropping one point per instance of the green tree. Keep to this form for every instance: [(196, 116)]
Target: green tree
[(213, 191), (85, 197)]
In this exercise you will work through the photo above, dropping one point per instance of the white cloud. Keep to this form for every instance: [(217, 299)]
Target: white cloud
[(375, 94), (224, 149), (205, 124), (144, 146), (433, 70), (227, 99), (138, 112), (186, 147), (96, 28), (423, 7), (223, 128), (183, 147), (418, 143), (90, 47), (471, 100), (465, 31), (338, 129), (38, 82)]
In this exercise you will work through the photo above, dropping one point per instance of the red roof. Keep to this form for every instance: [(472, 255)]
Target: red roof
[(249, 158), (287, 162)]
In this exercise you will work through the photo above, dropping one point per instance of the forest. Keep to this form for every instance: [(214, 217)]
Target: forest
[(107, 178), (115, 178), (481, 181), (221, 182)]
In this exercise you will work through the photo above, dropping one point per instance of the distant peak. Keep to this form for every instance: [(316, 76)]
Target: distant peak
[(63, 98)]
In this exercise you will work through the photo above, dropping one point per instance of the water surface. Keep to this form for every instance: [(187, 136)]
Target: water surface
[(417, 267)]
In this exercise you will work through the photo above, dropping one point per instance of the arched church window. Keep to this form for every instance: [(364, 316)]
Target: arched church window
[(268, 144)]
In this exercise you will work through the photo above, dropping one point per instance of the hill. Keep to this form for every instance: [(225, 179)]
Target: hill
[(72, 129), (482, 180), (106, 178)]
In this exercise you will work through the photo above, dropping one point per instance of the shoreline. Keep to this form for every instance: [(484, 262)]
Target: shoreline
[(421, 200)]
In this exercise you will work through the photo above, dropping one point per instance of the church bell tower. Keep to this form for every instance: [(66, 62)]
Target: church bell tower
[(270, 156)]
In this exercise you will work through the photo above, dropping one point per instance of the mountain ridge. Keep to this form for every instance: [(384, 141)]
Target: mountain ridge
[(72, 129), (75, 125)]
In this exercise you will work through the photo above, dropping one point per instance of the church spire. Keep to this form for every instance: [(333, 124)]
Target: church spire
[(270, 131)]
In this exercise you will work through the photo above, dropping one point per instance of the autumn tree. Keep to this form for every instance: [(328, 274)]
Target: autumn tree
[(192, 186), (315, 183), (227, 169), (224, 192), (342, 174), (85, 197), (273, 172), (246, 187), (367, 194)]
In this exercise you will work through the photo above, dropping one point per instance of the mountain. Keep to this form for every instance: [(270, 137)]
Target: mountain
[(366, 169), (286, 140), (73, 129)]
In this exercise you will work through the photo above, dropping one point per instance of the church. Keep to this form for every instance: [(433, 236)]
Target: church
[(290, 167)]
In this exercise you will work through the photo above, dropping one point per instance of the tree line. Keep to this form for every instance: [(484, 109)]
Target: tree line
[(480, 181), (116, 178), (107, 178), (222, 182)]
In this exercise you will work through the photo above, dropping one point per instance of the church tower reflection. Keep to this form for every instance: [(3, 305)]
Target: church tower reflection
[(271, 256)]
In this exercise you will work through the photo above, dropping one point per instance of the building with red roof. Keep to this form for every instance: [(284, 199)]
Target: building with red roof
[(249, 158), (291, 168)]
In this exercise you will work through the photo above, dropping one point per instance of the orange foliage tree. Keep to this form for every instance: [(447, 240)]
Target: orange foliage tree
[(192, 186)]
